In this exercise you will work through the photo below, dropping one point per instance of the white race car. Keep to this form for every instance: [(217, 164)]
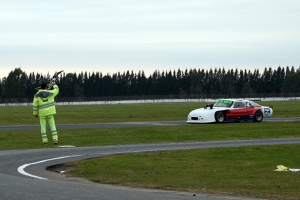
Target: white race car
[(226, 110)]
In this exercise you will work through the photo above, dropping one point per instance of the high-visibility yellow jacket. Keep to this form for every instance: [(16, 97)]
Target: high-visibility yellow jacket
[(43, 102)]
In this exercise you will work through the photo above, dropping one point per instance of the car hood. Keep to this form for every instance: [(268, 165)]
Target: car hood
[(203, 115), (207, 110)]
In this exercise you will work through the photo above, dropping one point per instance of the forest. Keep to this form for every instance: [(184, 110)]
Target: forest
[(19, 86)]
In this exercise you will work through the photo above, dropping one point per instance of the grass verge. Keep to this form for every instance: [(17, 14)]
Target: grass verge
[(238, 171)]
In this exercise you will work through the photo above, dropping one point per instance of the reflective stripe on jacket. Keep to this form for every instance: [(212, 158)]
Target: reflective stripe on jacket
[(43, 102)]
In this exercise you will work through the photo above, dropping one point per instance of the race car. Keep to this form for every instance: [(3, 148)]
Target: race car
[(230, 110)]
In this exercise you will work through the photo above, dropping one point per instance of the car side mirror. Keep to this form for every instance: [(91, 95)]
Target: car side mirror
[(209, 105)]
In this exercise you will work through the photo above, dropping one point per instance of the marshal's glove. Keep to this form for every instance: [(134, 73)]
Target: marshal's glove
[(53, 81)]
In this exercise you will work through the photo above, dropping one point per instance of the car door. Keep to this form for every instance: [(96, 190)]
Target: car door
[(238, 110), (250, 108)]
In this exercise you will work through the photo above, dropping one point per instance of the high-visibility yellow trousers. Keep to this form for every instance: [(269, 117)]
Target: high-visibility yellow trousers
[(43, 122)]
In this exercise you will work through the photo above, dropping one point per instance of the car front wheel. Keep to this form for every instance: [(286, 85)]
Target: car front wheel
[(220, 117), (258, 116)]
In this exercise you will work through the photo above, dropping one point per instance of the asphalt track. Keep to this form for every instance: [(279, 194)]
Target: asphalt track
[(23, 173)]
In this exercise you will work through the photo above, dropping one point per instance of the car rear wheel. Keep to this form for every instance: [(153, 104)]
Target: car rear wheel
[(258, 116), (220, 117)]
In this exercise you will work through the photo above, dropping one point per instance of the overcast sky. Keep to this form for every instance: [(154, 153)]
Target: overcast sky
[(119, 35)]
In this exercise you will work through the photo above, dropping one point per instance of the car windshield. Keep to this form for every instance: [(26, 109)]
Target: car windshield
[(223, 103)]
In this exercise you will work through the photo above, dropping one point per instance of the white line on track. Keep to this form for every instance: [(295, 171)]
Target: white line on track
[(22, 171)]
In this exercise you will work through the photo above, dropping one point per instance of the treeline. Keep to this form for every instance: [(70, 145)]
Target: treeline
[(218, 81)]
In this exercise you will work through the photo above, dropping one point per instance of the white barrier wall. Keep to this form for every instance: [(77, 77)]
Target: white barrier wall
[(150, 101)]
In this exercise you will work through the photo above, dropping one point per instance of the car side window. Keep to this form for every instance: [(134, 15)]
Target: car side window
[(239, 105), (248, 105)]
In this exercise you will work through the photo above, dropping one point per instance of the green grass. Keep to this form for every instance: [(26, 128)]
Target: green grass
[(102, 113), (241, 171), (21, 115), (238, 171)]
